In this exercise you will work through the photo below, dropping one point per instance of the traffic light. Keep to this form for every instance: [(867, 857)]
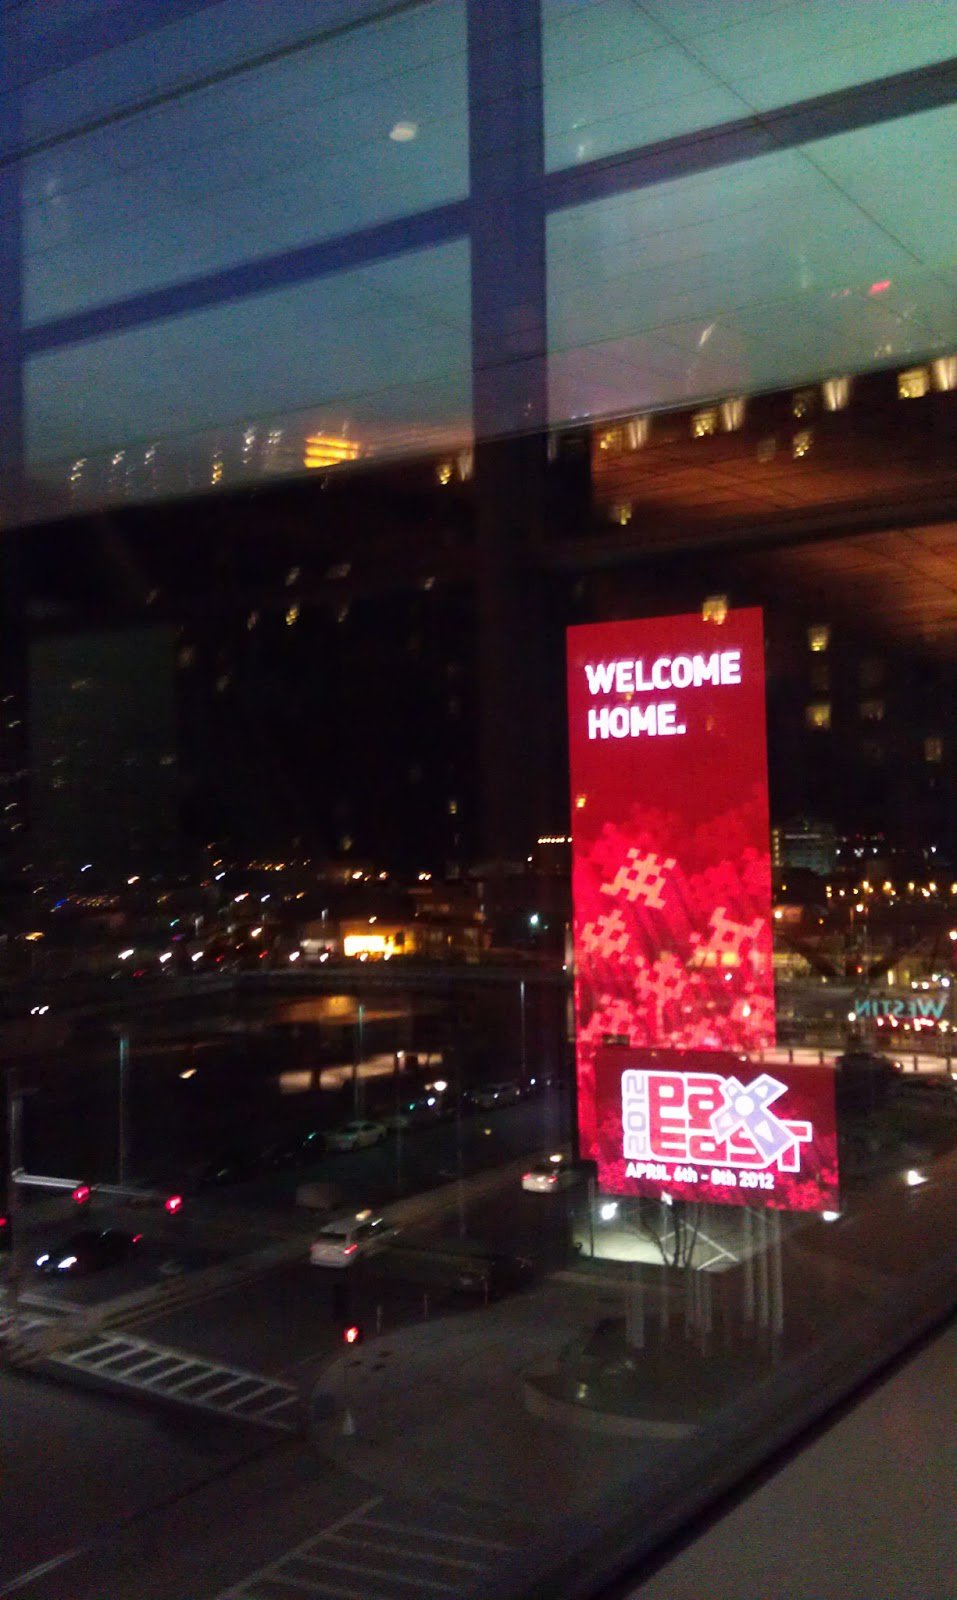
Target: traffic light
[(353, 1334)]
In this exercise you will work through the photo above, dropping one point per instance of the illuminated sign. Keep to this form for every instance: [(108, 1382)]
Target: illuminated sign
[(713, 1126), (910, 1011), (671, 865)]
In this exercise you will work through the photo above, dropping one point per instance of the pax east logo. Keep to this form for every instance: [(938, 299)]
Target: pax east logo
[(690, 1127)]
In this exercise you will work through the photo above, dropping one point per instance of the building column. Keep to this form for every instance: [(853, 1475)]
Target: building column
[(509, 396), (13, 622)]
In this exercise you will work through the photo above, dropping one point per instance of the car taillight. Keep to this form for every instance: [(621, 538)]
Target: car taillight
[(350, 1249), (136, 1238), (173, 1204), (526, 1176)]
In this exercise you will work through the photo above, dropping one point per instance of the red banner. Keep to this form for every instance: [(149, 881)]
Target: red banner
[(713, 1126), (671, 868)]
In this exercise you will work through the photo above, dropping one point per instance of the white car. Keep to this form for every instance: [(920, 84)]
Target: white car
[(555, 1172), (356, 1135), (344, 1240)]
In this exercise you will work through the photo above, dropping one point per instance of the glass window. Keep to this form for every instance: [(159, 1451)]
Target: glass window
[(817, 714), (304, 143), (237, 392), (619, 76), (756, 276)]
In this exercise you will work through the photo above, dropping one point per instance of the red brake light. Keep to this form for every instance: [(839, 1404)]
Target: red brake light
[(173, 1204), (526, 1175), (137, 1237), (350, 1249), (81, 1194), (352, 1335)]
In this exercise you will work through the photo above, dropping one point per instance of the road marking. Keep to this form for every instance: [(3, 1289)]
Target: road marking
[(245, 1585), (435, 1533), (420, 1555), (24, 1578), (360, 1567)]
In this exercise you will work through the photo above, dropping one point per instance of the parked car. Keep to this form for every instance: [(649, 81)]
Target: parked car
[(490, 1274), (488, 1096), (345, 1240), (88, 1250), (554, 1172), (232, 1166), (356, 1135), (414, 1114)]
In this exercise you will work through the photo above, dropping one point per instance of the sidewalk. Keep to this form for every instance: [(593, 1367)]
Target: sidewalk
[(440, 1406)]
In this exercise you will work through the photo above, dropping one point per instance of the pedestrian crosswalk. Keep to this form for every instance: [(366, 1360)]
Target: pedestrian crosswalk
[(168, 1374), (389, 1549)]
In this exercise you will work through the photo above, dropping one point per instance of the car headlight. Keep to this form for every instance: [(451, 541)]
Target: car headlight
[(66, 1263), (42, 1260)]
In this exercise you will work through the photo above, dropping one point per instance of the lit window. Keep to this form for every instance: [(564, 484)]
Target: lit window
[(944, 372), (818, 714), (252, 620), (803, 402), (801, 443), (767, 449), (328, 450), (292, 615), (186, 656), (913, 384), (872, 710), (732, 414), (466, 465), (292, 576), (453, 808), (714, 608), (444, 473), (836, 392), (934, 750), (636, 432), (621, 513), (704, 423), (611, 441), (818, 637)]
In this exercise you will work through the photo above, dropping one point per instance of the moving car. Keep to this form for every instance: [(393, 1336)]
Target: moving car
[(554, 1172), (89, 1250), (345, 1240), (356, 1135)]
